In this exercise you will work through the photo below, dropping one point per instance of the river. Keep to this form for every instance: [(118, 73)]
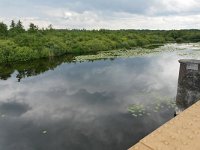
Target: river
[(59, 104)]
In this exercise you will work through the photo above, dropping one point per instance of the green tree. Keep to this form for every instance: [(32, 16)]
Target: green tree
[(12, 25), (12, 31), (50, 27), (3, 29), (16, 28), (33, 28), (19, 27)]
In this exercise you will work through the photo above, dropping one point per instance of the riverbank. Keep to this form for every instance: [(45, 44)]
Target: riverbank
[(18, 44), (38, 66)]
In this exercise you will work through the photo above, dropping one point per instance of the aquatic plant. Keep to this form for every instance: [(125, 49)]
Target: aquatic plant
[(159, 104), (132, 52)]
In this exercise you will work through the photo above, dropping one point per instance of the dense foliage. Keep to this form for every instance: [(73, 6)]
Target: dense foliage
[(18, 44)]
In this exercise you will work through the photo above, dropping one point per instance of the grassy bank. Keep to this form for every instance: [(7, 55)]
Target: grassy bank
[(18, 44)]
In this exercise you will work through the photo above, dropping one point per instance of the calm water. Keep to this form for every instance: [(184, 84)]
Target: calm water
[(57, 105)]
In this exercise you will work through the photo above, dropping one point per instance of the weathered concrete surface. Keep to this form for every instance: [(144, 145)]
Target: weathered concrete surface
[(180, 133), (188, 91)]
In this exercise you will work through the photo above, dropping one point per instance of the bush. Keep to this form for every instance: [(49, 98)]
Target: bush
[(16, 44)]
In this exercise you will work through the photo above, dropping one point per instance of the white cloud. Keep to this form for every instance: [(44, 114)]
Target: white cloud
[(180, 5), (42, 23), (115, 14), (118, 20), (170, 7)]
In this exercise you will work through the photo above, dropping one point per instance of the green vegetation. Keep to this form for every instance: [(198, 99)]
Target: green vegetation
[(35, 67), (112, 54), (18, 44), (160, 103)]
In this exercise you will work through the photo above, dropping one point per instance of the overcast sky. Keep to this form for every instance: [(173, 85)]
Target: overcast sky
[(109, 14)]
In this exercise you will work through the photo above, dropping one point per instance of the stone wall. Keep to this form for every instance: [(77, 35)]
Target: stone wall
[(188, 91)]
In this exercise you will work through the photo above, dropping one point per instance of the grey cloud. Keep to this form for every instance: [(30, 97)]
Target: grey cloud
[(103, 7), (136, 7), (139, 7), (110, 14)]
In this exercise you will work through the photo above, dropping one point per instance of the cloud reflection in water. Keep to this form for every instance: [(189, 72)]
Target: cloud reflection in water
[(84, 105)]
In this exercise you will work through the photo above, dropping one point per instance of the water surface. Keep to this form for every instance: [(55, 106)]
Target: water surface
[(64, 105)]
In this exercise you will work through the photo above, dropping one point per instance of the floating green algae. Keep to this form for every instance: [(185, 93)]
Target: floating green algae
[(136, 110), (135, 52), (141, 110), (159, 104)]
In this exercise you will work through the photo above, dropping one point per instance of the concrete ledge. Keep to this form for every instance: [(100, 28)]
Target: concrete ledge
[(180, 133)]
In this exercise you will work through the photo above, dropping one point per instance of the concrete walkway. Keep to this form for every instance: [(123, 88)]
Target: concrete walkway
[(180, 133)]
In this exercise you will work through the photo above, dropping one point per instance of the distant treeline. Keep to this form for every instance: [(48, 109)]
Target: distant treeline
[(18, 44)]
